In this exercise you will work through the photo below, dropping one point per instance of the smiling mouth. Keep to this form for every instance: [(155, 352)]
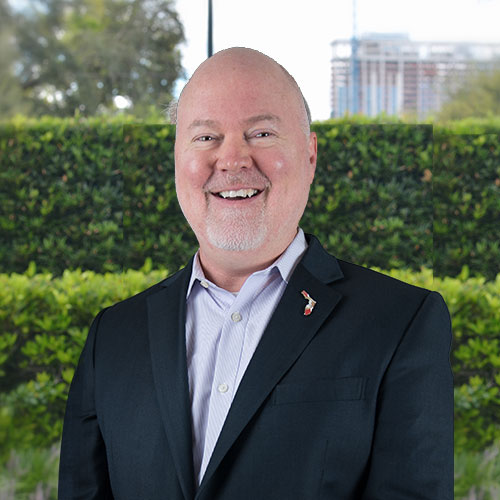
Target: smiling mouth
[(239, 194)]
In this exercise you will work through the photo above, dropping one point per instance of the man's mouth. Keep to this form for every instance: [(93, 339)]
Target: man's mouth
[(238, 194)]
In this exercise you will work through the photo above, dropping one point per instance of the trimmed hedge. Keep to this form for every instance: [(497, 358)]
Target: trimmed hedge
[(99, 195), (61, 193), (467, 203), (44, 322), (371, 201)]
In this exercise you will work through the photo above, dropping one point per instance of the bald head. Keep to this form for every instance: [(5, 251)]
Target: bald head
[(226, 64)]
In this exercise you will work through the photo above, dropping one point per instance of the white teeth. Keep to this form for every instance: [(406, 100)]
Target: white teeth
[(241, 193)]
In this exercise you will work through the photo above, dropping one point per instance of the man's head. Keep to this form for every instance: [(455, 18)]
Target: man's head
[(244, 155)]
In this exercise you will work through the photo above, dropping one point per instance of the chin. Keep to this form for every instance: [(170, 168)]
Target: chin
[(234, 241), (236, 230), (240, 237)]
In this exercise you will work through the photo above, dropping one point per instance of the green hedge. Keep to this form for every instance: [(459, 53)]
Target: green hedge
[(31, 471), (43, 325), (99, 194), (477, 474), (467, 203), (371, 202), (44, 322)]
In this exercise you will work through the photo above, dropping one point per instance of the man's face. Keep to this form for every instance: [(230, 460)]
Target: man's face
[(243, 161)]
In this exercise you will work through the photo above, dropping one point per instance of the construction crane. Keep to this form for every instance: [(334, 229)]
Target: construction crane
[(354, 97)]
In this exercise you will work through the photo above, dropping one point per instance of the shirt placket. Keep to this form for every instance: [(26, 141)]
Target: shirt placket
[(228, 358)]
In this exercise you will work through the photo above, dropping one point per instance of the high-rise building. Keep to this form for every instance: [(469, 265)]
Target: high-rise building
[(392, 74)]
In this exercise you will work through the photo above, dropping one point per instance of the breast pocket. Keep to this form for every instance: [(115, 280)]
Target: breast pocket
[(315, 390)]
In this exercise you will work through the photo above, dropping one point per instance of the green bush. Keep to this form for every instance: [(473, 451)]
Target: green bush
[(100, 195), (477, 475), (466, 192), (30, 474), (371, 200), (33, 474), (43, 326), (61, 192), (44, 322)]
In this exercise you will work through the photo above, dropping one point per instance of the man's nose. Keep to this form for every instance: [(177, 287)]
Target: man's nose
[(234, 154)]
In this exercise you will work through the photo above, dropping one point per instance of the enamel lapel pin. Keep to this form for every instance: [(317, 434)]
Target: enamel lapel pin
[(310, 303)]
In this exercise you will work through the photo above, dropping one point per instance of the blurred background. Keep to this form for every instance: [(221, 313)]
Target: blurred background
[(348, 56), (405, 98)]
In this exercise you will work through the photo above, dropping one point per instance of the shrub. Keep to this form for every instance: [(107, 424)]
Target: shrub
[(100, 195), (477, 475), (43, 326), (466, 194), (44, 322), (30, 474), (33, 474)]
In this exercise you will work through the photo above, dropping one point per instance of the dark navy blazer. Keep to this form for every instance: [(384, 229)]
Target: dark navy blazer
[(353, 402)]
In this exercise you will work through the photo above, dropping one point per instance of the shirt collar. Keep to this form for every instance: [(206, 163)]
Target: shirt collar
[(285, 263), (289, 259)]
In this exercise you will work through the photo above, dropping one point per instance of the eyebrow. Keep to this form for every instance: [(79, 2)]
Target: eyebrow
[(269, 117), (203, 123)]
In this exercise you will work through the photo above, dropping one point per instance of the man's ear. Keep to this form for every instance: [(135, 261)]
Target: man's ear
[(313, 153)]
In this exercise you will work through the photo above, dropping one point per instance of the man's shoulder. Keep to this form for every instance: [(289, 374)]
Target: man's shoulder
[(139, 300), (358, 274), (386, 300), (376, 291), (353, 277)]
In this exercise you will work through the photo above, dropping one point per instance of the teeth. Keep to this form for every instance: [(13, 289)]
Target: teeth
[(241, 193)]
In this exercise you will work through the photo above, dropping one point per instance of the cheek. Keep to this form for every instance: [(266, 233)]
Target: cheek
[(279, 165), (287, 173), (197, 173), (273, 164), (189, 186), (191, 174)]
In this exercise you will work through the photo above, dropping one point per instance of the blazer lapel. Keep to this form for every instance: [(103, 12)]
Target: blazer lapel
[(288, 333), (166, 324)]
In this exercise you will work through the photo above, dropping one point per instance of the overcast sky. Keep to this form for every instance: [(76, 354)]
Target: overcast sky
[(298, 33)]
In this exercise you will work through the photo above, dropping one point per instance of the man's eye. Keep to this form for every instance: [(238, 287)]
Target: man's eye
[(205, 138), (263, 134)]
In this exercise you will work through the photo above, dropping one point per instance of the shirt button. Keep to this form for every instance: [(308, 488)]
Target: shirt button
[(236, 316), (204, 284), (223, 388)]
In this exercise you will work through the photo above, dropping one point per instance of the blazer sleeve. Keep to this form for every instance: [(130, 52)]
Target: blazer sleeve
[(83, 470), (412, 450)]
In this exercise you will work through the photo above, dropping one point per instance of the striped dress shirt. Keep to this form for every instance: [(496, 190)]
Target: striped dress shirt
[(223, 330)]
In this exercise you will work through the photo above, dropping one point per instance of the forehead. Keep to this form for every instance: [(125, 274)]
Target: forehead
[(237, 90)]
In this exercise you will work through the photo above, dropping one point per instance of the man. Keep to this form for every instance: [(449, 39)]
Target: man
[(266, 369)]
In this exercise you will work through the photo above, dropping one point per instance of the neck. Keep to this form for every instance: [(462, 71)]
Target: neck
[(230, 269)]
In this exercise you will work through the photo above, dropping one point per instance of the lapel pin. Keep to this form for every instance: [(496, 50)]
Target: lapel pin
[(310, 303)]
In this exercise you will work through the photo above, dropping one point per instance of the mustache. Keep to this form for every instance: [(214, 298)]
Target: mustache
[(219, 181)]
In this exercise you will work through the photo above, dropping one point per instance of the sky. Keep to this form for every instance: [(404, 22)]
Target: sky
[(298, 34)]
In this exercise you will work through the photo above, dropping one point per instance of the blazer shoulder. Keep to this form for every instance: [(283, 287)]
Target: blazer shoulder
[(375, 282), (140, 298), (391, 302)]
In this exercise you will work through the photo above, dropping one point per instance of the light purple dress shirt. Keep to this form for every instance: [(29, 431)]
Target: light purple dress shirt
[(223, 330)]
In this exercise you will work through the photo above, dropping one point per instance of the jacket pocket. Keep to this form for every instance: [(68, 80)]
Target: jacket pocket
[(313, 390)]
